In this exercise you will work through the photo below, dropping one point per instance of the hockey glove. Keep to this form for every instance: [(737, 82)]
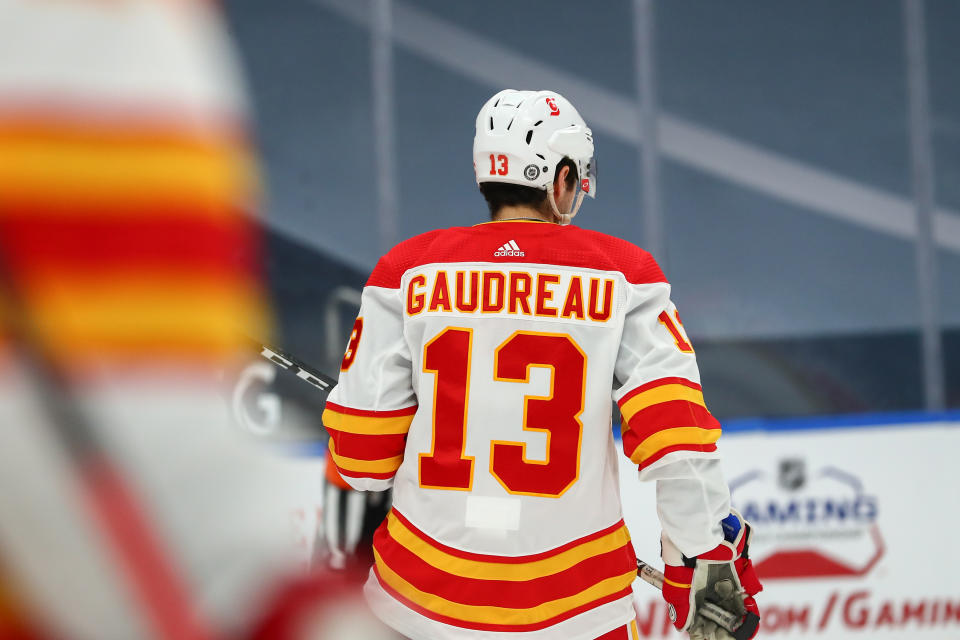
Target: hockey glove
[(724, 576)]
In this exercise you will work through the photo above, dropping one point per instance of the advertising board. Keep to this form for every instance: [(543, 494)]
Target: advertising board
[(855, 528)]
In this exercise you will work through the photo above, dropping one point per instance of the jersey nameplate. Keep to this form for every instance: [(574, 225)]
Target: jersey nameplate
[(522, 293)]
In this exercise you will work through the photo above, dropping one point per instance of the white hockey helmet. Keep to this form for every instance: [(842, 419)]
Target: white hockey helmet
[(522, 135)]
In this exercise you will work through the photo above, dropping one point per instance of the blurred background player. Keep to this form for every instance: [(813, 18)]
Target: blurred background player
[(470, 339), (344, 540)]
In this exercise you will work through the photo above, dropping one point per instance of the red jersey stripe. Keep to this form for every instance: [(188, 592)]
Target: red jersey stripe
[(666, 415), (364, 447), (159, 239), (510, 594), (392, 413), (626, 592)]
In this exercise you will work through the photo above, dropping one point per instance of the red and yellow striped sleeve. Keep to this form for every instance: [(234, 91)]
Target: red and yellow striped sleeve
[(367, 444), (502, 593), (664, 416)]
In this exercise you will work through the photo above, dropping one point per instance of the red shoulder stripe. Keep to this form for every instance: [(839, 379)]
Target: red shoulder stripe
[(540, 244)]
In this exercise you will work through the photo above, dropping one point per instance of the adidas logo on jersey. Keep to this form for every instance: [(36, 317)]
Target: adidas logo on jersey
[(510, 249)]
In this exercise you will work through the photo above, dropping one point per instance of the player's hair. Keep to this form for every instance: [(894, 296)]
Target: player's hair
[(502, 194)]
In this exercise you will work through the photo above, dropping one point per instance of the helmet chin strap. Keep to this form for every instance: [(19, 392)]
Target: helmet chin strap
[(565, 218)]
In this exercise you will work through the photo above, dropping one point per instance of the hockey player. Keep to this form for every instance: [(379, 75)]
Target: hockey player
[(477, 384)]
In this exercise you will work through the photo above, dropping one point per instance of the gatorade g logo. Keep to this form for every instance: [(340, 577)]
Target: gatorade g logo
[(554, 109)]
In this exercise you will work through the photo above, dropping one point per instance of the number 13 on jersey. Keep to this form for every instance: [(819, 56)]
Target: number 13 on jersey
[(448, 357)]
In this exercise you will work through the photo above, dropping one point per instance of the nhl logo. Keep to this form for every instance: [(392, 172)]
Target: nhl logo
[(792, 474), (531, 172)]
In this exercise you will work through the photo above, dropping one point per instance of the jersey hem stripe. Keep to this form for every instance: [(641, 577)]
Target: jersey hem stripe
[(505, 569), (624, 592), (479, 557), (482, 591), (390, 413)]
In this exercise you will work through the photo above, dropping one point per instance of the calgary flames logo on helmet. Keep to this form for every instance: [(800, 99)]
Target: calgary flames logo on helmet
[(554, 109)]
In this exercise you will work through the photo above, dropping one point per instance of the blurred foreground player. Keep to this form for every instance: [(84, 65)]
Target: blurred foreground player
[(129, 273), (477, 384)]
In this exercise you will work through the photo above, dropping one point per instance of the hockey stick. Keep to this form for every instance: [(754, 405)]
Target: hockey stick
[(301, 370), (740, 628)]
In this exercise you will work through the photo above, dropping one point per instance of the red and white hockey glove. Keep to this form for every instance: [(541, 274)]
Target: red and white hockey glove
[(724, 576)]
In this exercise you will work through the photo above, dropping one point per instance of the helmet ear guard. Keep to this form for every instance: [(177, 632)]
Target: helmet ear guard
[(576, 142)]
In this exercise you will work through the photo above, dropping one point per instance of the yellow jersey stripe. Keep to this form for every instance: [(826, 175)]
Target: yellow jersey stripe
[(671, 438), (501, 615), (366, 425), (86, 170), (657, 395), (118, 312), (678, 585), (517, 572), (385, 465)]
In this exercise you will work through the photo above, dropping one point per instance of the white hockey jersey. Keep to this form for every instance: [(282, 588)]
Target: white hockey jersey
[(477, 382)]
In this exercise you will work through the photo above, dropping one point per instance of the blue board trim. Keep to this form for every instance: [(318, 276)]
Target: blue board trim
[(843, 421), (311, 449)]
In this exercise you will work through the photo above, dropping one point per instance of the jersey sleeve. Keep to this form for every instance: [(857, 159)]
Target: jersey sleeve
[(692, 499), (667, 430), (660, 398), (368, 413)]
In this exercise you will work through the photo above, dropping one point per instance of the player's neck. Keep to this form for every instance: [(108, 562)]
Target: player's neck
[(521, 212)]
